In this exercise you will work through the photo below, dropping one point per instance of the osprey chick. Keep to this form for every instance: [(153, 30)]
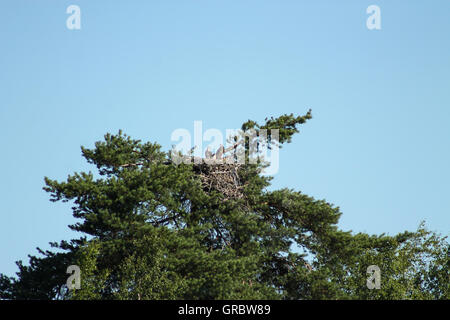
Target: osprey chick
[(219, 153), (208, 153)]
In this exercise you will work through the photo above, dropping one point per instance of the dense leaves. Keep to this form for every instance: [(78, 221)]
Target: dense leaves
[(150, 231)]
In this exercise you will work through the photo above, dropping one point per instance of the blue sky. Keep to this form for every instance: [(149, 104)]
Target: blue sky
[(377, 147)]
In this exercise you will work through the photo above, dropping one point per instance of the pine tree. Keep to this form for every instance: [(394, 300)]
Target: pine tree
[(152, 230)]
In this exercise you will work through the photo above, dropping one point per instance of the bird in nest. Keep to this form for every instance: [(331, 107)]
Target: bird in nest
[(217, 155)]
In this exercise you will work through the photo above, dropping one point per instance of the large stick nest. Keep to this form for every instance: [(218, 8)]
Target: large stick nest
[(223, 178)]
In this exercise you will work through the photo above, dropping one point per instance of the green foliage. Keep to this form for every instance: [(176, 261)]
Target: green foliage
[(155, 233)]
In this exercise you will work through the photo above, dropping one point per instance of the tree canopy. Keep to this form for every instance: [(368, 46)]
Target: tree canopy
[(150, 230)]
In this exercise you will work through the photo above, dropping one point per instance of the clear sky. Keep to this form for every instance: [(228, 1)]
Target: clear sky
[(377, 147)]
